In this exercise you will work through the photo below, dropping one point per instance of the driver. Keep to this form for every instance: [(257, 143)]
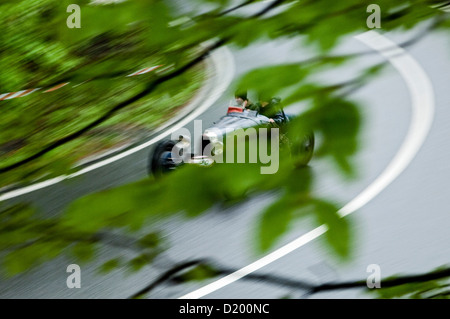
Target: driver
[(242, 99)]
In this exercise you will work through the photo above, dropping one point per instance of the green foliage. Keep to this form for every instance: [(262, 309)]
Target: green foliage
[(110, 265), (274, 223), (425, 288), (38, 50), (338, 121), (197, 273), (151, 240), (137, 263), (84, 252), (338, 233), (276, 78), (28, 257), (28, 240)]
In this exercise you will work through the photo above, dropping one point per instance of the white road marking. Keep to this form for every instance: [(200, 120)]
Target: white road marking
[(422, 98), (225, 68)]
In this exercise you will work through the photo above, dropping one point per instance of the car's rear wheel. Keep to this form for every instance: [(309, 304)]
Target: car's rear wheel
[(302, 150)]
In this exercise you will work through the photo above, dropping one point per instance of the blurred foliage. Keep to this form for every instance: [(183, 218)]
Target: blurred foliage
[(431, 285), (27, 240), (438, 289), (199, 272), (38, 50), (25, 135)]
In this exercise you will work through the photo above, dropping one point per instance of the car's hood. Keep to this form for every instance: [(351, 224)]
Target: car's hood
[(237, 120)]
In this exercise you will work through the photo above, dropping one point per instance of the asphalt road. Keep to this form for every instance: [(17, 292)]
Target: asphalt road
[(403, 229)]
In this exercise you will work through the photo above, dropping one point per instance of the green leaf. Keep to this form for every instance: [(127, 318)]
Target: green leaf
[(84, 251), (141, 261), (276, 78), (338, 233), (110, 265), (276, 219), (32, 255), (151, 240), (198, 273)]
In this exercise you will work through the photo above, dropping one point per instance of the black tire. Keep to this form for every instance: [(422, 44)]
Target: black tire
[(302, 151), (159, 160)]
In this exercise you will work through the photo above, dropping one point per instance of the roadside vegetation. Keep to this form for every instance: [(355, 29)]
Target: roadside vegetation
[(38, 51)]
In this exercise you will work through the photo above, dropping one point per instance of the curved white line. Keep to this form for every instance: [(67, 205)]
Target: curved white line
[(225, 68), (422, 98)]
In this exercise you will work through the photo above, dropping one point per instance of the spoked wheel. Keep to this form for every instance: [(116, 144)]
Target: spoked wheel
[(161, 161)]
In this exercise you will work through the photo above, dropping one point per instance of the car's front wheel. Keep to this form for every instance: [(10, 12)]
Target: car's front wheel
[(161, 160)]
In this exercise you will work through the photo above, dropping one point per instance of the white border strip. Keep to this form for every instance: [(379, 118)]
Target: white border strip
[(144, 70), (224, 68), (422, 98)]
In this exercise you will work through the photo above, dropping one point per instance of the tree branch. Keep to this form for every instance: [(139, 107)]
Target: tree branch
[(166, 276), (310, 288)]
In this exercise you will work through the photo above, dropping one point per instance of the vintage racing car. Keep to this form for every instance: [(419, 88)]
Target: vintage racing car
[(163, 159)]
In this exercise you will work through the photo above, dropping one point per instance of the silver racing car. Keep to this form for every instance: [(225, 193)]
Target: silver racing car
[(169, 155)]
